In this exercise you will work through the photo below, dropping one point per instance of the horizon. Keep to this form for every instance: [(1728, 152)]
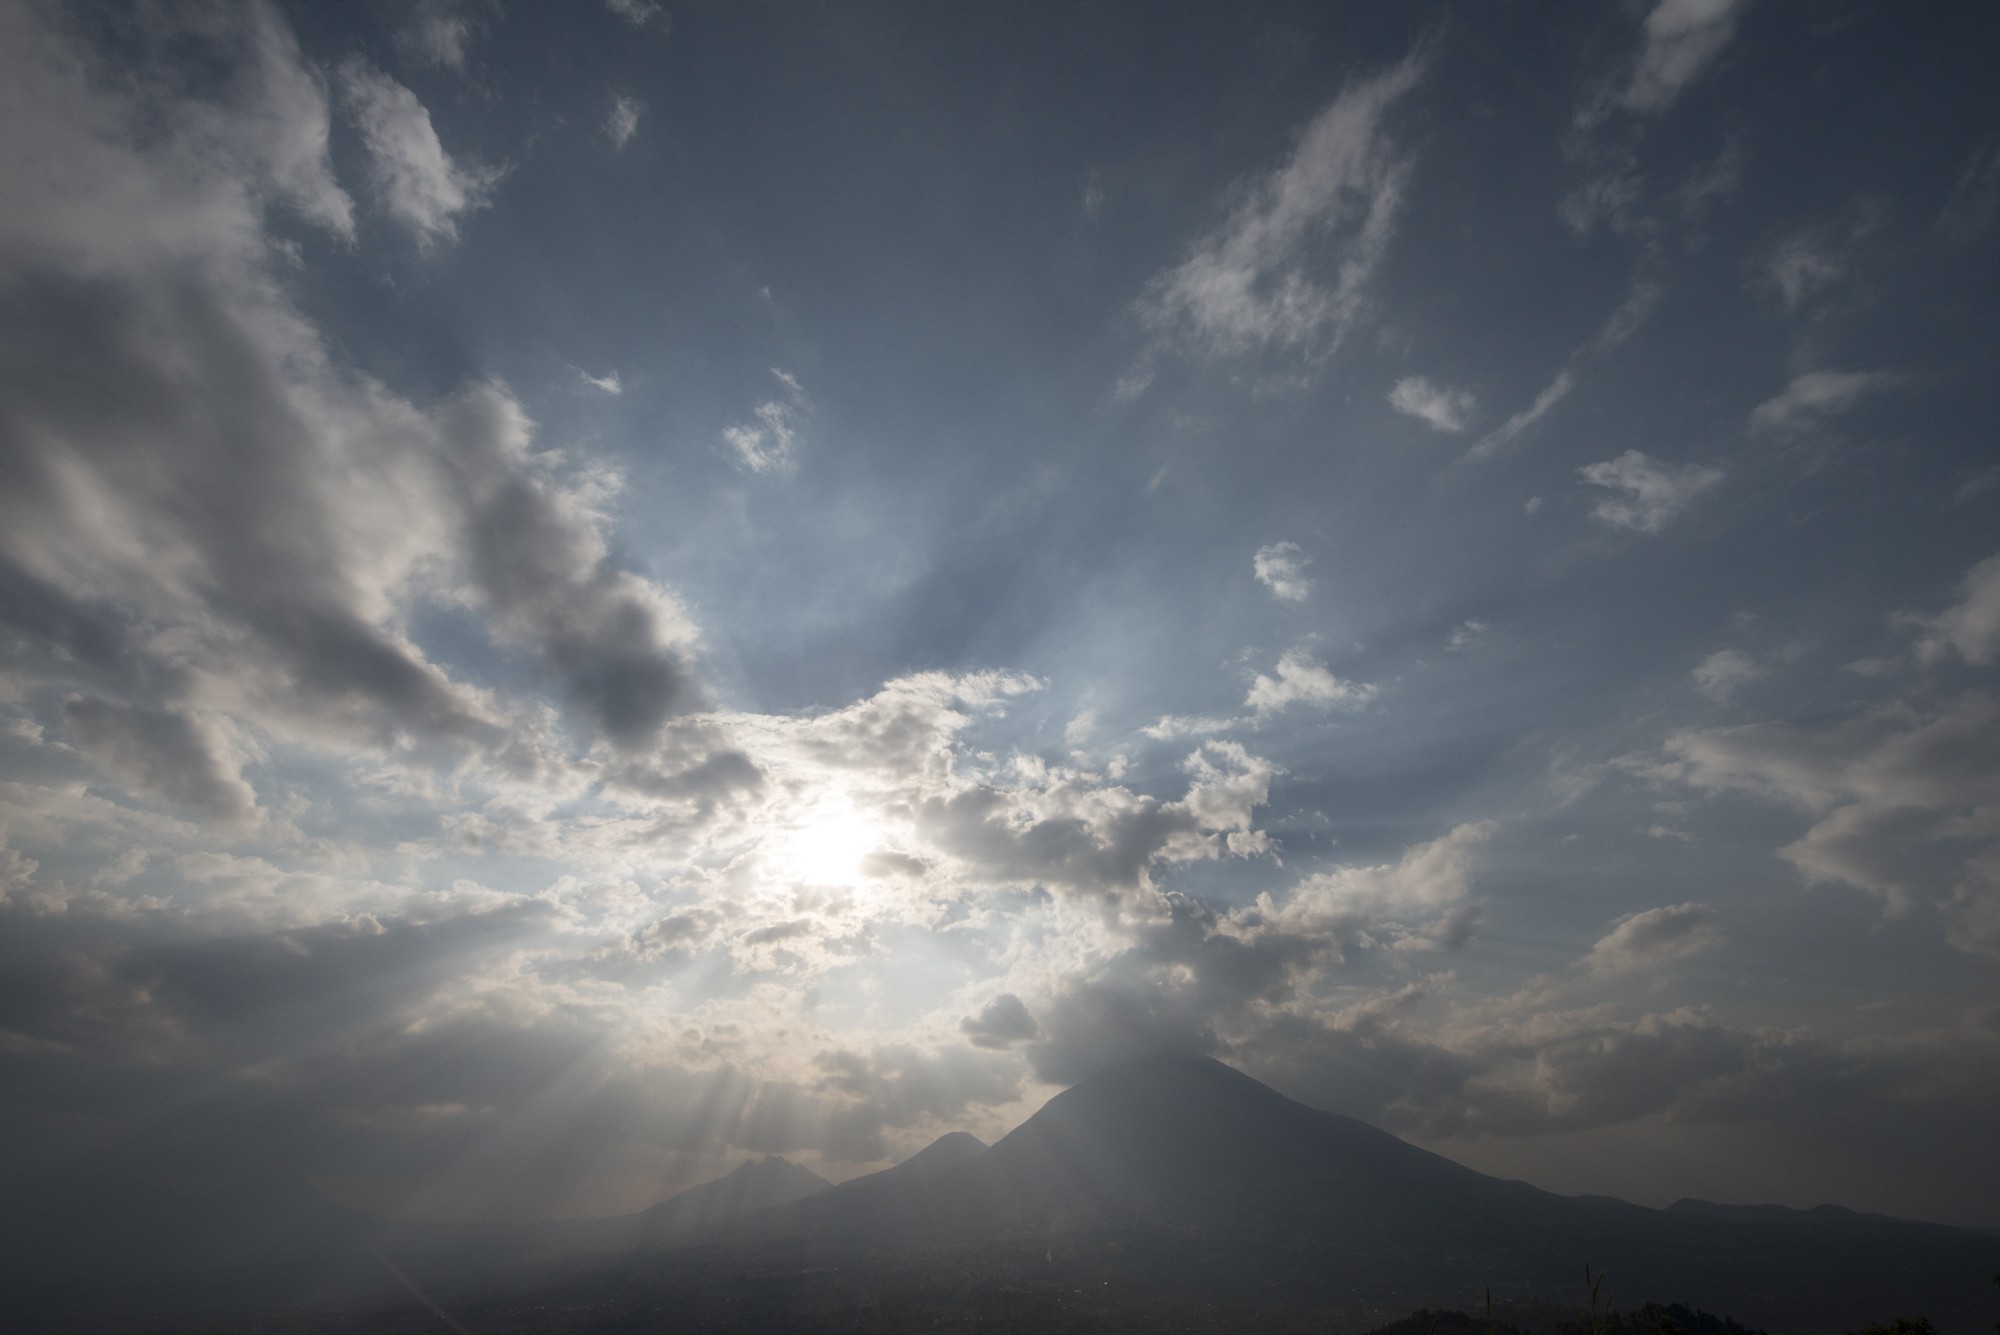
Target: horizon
[(592, 594)]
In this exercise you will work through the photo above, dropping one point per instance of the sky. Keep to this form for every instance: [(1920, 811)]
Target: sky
[(590, 592)]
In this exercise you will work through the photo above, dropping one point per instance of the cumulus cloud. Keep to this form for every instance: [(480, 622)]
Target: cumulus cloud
[(1970, 627), (1443, 409), (1281, 568), (1682, 38), (1290, 265), (1303, 679), (1813, 397), (417, 181), (1649, 492), (1655, 936), (1720, 674), (771, 444), (623, 120)]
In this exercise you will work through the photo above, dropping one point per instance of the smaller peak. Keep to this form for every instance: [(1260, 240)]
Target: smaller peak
[(953, 1147)]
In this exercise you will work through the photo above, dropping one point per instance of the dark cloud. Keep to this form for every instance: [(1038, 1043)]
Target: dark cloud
[(1001, 1024)]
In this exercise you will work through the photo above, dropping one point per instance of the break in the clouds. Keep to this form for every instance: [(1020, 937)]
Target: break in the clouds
[(794, 642)]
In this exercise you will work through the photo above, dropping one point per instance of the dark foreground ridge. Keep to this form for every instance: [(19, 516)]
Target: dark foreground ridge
[(1170, 1193)]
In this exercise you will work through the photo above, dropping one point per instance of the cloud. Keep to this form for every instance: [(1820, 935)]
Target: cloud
[(1443, 409), (1879, 786), (1468, 634), (1969, 628), (434, 31), (1429, 881), (1631, 315), (638, 13), (416, 179), (1281, 568), (623, 121), (1813, 397), (1653, 492), (608, 383), (1800, 268), (1683, 37), (1302, 679), (167, 754), (1653, 937), (1002, 1024), (1254, 282), (1720, 674), (1975, 197), (772, 444)]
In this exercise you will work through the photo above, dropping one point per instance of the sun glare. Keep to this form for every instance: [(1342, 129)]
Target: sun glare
[(826, 847)]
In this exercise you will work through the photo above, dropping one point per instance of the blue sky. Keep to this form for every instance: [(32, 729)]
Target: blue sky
[(587, 592)]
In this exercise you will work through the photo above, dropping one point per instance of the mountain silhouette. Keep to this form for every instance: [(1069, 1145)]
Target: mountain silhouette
[(1168, 1191), (1172, 1157)]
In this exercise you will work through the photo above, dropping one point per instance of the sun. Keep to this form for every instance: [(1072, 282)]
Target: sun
[(826, 845)]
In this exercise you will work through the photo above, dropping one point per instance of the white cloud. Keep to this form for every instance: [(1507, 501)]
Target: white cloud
[(638, 13), (418, 181), (1429, 880), (1281, 568), (1682, 38), (608, 383), (1816, 395), (1721, 673), (1256, 281), (1443, 409), (623, 121), (1468, 634), (1652, 492), (1656, 936), (1970, 627), (1302, 679), (771, 444)]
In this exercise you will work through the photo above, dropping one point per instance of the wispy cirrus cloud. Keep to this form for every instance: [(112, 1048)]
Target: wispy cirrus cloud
[(1815, 396), (623, 120), (1289, 267), (1632, 313), (771, 443), (1682, 39)]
